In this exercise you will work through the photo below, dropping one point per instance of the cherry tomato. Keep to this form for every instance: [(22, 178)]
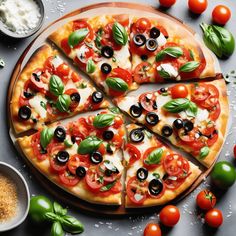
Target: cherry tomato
[(206, 200), (79, 24), (65, 46), (55, 166), (199, 93), (215, 112), (173, 184), (167, 3), (152, 229), (140, 73), (101, 170), (117, 122), (179, 91), (122, 74), (37, 82), (76, 161), (148, 101), (197, 6), (221, 14), (35, 143), (169, 215), (91, 179), (234, 151), (68, 179), (133, 152), (214, 218), (143, 24)]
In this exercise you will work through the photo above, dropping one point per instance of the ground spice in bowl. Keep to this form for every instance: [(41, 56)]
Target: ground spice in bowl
[(8, 198)]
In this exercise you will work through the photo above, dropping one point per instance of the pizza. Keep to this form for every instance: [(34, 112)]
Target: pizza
[(155, 173), (48, 90), (191, 116)]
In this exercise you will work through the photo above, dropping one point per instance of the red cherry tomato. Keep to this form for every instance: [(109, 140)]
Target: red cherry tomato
[(214, 218), (91, 179), (206, 200), (140, 73), (169, 215), (134, 153), (65, 46), (79, 24), (148, 101), (152, 229), (68, 179), (143, 24), (76, 161), (167, 3), (179, 91), (221, 14), (197, 6), (101, 168), (35, 143)]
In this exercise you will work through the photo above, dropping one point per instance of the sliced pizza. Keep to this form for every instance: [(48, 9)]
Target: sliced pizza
[(155, 173), (48, 90), (193, 116), (100, 47), (83, 157)]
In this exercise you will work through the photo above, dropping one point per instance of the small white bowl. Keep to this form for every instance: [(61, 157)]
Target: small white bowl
[(23, 196)]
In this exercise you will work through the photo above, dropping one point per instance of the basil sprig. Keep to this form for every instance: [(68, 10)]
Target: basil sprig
[(174, 52), (154, 157), (77, 37), (63, 103), (204, 152), (119, 34), (103, 120), (189, 66), (192, 109), (117, 84), (71, 224), (90, 67), (46, 136), (99, 38), (89, 145), (56, 87), (58, 209), (57, 229)]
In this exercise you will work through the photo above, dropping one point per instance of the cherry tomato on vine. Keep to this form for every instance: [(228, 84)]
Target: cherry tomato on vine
[(167, 3), (221, 14), (214, 218), (197, 6), (206, 200), (152, 229), (169, 215)]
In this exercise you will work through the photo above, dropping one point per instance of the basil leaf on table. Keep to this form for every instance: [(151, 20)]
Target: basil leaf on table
[(107, 187), (192, 110), (63, 103), (119, 34), (90, 67), (177, 105), (189, 66), (50, 216), (174, 52), (56, 229), (204, 152), (77, 37), (103, 120), (71, 224), (46, 136), (89, 145), (117, 84), (154, 157), (56, 87), (58, 209)]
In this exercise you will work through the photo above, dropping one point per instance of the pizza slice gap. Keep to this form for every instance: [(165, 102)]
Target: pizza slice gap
[(83, 156), (155, 173), (100, 47), (192, 116), (48, 89)]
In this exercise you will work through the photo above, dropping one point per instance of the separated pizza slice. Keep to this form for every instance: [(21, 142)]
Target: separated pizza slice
[(83, 157), (164, 51), (193, 116), (155, 173), (100, 47), (48, 90)]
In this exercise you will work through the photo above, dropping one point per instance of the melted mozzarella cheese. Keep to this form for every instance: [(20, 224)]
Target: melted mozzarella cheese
[(84, 94), (162, 100), (115, 159), (202, 115), (126, 103), (161, 40), (169, 69), (122, 57), (36, 102), (57, 61), (81, 53), (70, 85), (72, 150)]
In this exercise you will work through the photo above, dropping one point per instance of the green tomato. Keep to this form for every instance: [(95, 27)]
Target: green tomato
[(39, 206), (223, 174)]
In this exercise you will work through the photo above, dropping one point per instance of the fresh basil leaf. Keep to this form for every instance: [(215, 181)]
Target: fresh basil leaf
[(156, 175), (107, 187), (154, 157), (189, 66), (119, 34), (191, 54), (174, 52), (63, 103), (68, 143), (56, 87), (103, 120), (77, 37), (72, 225), (114, 110), (56, 229), (164, 74), (89, 145), (50, 216), (90, 67), (117, 84), (2, 62), (192, 110), (83, 85), (177, 105), (58, 209), (43, 105), (204, 152), (46, 136)]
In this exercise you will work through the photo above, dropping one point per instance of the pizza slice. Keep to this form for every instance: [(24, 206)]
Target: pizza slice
[(83, 157), (155, 173), (164, 51), (100, 47), (48, 90), (193, 116)]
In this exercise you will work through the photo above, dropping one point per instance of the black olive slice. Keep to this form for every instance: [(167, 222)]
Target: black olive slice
[(136, 135), (28, 94), (80, 171), (75, 97), (96, 157), (178, 124), (108, 172), (155, 187), (60, 133), (24, 113), (136, 110), (152, 118), (142, 174), (107, 52), (151, 45), (144, 57), (139, 40), (167, 130), (97, 97), (154, 33), (188, 125), (62, 157), (106, 68), (154, 105), (163, 90), (108, 135)]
